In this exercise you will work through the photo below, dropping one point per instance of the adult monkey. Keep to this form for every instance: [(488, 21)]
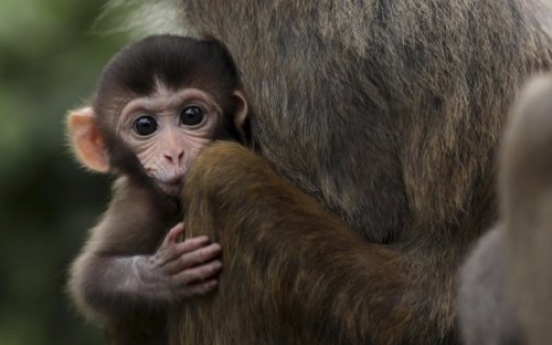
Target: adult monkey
[(389, 113)]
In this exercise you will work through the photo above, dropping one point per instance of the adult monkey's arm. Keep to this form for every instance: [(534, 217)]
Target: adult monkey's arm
[(293, 273)]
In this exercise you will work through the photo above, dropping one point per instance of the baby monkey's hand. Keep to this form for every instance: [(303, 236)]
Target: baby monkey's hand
[(181, 269)]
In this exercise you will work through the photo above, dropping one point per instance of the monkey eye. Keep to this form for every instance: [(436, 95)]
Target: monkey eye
[(192, 115), (145, 125)]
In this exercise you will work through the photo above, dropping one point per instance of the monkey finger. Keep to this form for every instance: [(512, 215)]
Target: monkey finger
[(200, 288), (174, 256), (200, 256), (192, 244), (194, 258), (174, 233), (198, 273)]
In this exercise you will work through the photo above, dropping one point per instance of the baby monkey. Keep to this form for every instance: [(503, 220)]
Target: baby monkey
[(158, 103)]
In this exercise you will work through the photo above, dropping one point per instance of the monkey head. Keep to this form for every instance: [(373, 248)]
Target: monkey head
[(158, 103)]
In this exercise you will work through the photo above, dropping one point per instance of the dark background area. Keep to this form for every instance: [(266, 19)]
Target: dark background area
[(51, 54)]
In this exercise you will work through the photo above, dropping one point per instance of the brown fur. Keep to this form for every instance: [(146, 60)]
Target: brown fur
[(387, 112), (235, 197)]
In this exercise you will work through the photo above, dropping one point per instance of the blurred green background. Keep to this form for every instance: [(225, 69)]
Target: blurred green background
[(51, 53)]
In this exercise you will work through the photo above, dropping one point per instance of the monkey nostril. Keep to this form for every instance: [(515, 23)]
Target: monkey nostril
[(175, 158)]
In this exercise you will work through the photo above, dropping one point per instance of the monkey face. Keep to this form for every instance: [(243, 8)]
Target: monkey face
[(167, 130)]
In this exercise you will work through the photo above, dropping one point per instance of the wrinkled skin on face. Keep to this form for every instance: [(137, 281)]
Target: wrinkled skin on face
[(167, 130)]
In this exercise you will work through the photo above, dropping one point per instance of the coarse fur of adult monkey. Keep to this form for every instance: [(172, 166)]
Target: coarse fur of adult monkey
[(389, 114), (159, 102), (517, 253)]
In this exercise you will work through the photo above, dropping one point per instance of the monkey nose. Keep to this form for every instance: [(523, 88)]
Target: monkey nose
[(175, 157)]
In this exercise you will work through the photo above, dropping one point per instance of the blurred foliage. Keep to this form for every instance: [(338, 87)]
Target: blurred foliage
[(51, 54)]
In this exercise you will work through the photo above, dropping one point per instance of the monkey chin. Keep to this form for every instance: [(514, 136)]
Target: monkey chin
[(173, 189)]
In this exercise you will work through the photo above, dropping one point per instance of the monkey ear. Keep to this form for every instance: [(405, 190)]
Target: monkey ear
[(86, 140), (242, 110)]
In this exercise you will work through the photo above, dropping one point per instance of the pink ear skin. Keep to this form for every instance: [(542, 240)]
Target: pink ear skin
[(241, 110), (86, 140)]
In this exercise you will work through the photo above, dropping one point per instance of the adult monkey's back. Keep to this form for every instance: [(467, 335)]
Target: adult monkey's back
[(388, 112)]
